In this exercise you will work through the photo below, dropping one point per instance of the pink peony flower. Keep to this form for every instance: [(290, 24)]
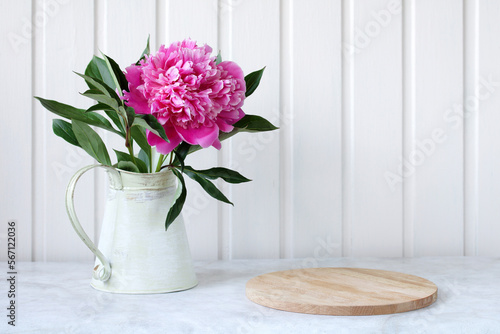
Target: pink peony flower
[(191, 96)]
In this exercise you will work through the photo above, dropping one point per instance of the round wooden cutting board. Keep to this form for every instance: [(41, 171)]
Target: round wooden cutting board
[(341, 291)]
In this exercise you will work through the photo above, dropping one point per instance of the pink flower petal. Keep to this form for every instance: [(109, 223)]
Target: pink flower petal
[(192, 97), (203, 136), (217, 144), (161, 145)]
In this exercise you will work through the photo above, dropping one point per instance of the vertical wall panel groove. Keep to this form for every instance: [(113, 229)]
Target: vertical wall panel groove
[(39, 149), (408, 124), (161, 23), (488, 86), (347, 126), (286, 129), (32, 157), (471, 79)]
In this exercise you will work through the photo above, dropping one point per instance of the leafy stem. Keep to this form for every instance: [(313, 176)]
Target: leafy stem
[(130, 148), (150, 157), (129, 143), (161, 160)]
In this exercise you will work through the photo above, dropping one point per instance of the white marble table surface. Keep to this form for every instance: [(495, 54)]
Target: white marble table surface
[(57, 298)]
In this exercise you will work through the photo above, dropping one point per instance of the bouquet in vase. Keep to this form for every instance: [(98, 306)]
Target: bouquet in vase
[(179, 100)]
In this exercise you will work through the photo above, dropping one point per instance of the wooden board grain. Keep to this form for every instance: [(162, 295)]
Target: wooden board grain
[(341, 291)]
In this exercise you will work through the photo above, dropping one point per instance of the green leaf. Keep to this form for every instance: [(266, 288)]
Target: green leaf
[(116, 109), (96, 95), (73, 113), (143, 168), (119, 122), (98, 69), (91, 142), (63, 129), (145, 158), (252, 81), (123, 116), (176, 208), (178, 161), (253, 123), (99, 106), (112, 114), (122, 156), (144, 53), (128, 166), (130, 115), (195, 148), (181, 152), (63, 110), (99, 118), (150, 123), (140, 165), (223, 136), (139, 135), (116, 73), (209, 187), (100, 86), (218, 60), (227, 175)]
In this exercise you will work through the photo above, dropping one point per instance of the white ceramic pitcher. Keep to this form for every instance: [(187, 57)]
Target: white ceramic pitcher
[(136, 254)]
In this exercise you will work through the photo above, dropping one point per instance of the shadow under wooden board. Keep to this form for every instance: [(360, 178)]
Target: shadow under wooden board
[(341, 291)]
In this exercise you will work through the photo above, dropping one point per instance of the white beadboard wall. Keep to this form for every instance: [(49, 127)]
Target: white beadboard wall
[(389, 115)]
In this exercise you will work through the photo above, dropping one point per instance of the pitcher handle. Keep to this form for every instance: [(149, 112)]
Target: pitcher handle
[(103, 273)]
